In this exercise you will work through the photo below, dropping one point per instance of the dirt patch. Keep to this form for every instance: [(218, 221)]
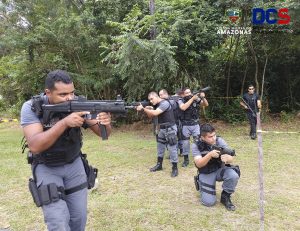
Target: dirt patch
[(4, 224)]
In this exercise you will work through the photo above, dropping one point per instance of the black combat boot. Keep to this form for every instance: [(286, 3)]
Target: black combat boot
[(158, 166), (174, 172), (185, 161), (253, 136), (225, 200)]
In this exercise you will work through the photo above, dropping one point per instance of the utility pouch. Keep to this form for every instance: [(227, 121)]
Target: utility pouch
[(161, 140), (53, 192), (171, 137), (45, 194), (196, 183), (90, 171), (34, 192)]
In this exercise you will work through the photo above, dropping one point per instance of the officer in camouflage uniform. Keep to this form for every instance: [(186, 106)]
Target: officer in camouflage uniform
[(60, 179), (190, 105), (167, 134)]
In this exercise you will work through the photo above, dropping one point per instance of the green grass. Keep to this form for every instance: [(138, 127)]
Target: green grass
[(130, 197)]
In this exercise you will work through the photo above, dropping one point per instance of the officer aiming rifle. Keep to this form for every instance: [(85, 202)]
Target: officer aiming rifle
[(52, 128), (167, 132), (190, 105), (210, 152), (173, 100)]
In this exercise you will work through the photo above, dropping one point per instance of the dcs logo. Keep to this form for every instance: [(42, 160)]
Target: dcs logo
[(271, 16)]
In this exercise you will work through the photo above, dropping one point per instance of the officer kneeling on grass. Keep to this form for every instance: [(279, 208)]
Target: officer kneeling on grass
[(213, 159)]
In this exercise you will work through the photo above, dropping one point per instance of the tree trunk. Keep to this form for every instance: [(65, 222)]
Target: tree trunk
[(152, 11), (31, 53), (229, 68), (227, 61), (263, 77), (244, 78), (256, 64)]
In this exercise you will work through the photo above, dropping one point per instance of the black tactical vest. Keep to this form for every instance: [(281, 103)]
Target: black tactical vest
[(192, 112), (213, 164), (66, 148), (178, 113), (251, 100), (167, 116)]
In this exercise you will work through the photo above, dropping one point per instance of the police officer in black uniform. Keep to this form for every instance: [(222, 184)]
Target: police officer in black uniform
[(167, 134), (252, 104), (190, 105), (59, 182), (213, 165)]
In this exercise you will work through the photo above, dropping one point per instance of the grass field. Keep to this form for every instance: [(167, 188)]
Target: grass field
[(130, 197)]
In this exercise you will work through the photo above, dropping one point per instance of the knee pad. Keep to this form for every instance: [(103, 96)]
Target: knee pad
[(209, 203)]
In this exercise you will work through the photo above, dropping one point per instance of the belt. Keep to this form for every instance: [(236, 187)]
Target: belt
[(164, 126), (51, 162), (190, 122)]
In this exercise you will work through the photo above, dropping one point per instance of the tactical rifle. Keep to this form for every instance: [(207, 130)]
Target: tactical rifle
[(197, 92), (201, 90), (134, 104), (118, 107), (249, 108), (224, 150)]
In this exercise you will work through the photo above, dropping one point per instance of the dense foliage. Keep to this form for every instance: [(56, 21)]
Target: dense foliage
[(119, 47)]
